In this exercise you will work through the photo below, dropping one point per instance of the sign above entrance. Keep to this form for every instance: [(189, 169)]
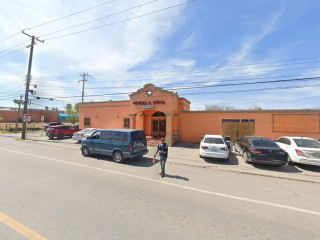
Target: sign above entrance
[(148, 102), (148, 106)]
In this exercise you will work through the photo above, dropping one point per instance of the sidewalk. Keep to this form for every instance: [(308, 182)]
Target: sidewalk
[(188, 154)]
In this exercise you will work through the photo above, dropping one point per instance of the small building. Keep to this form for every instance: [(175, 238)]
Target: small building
[(162, 113)]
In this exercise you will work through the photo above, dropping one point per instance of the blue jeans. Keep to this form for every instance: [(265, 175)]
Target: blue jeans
[(163, 163)]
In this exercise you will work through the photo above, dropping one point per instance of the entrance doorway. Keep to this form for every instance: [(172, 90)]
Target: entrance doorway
[(237, 128), (158, 126)]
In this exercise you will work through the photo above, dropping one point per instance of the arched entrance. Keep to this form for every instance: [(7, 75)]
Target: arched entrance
[(158, 124)]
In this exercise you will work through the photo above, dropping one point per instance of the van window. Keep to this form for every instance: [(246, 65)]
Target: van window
[(120, 137), (138, 135), (108, 136)]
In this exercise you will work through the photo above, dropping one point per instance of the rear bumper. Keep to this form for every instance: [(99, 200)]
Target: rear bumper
[(309, 161), (133, 155), (77, 138), (274, 162), (208, 154)]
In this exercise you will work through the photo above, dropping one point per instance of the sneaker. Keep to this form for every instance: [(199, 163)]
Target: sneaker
[(162, 174)]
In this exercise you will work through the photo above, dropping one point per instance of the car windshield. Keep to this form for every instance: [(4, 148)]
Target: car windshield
[(213, 140), (263, 143), (307, 143)]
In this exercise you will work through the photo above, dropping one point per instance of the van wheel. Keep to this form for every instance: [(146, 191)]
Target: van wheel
[(85, 151), (118, 157), (60, 136)]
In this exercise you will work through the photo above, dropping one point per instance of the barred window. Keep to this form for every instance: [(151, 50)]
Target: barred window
[(87, 122), (126, 123)]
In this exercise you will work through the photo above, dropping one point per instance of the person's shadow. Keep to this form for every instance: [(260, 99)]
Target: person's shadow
[(177, 177)]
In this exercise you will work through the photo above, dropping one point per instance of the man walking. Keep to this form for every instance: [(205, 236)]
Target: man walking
[(163, 153)]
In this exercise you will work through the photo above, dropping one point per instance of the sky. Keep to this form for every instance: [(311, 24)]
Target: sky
[(245, 54)]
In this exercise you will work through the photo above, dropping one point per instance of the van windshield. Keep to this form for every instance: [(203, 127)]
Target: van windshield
[(138, 135)]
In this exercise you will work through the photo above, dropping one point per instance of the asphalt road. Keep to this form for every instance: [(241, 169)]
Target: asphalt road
[(51, 191)]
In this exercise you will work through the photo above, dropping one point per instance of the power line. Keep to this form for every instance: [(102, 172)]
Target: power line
[(246, 83), (256, 89), (98, 19), (11, 36), (230, 91), (125, 20), (70, 15), (302, 77), (13, 52), (57, 19), (14, 47), (196, 71)]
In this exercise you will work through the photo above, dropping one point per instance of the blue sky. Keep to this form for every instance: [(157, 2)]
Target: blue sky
[(205, 42)]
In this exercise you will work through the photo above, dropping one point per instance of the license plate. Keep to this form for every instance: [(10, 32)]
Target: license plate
[(213, 149)]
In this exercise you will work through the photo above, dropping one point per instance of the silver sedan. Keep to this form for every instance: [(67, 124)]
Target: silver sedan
[(81, 134)]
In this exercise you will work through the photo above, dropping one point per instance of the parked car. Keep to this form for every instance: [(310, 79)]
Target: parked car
[(45, 127), (301, 149), (260, 150), (61, 131), (118, 143), (79, 136), (213, 146)]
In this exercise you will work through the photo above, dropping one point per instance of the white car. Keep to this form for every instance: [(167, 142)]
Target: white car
[(301, 149), (213, 146), (82, 134)]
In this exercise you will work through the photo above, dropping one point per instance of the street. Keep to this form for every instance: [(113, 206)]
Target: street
[(54, 192)]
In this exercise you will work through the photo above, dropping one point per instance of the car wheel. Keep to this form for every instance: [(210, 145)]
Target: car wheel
[(247, 157), (50, 137), (201, 156), (118, 157), (60, 136), (85, 151)]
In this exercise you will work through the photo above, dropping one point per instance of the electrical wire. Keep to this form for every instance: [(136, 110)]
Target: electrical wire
[(12, 52), (197, 93), (70, 15), (303, 78), (14, 47), (11, 36), (98, 19), (121, 21)]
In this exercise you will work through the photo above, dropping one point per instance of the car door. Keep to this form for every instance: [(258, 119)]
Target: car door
[(69, 131), (106, 143), (95, 143)]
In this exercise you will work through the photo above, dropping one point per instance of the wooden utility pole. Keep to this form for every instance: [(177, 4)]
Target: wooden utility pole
[(26, 98), (84, 75)]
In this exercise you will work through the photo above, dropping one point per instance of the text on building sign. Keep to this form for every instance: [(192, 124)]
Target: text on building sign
[(148, 102)]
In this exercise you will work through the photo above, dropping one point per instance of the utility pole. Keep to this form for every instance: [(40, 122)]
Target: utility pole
[(26, 98), (84, 75), (20, 101)]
